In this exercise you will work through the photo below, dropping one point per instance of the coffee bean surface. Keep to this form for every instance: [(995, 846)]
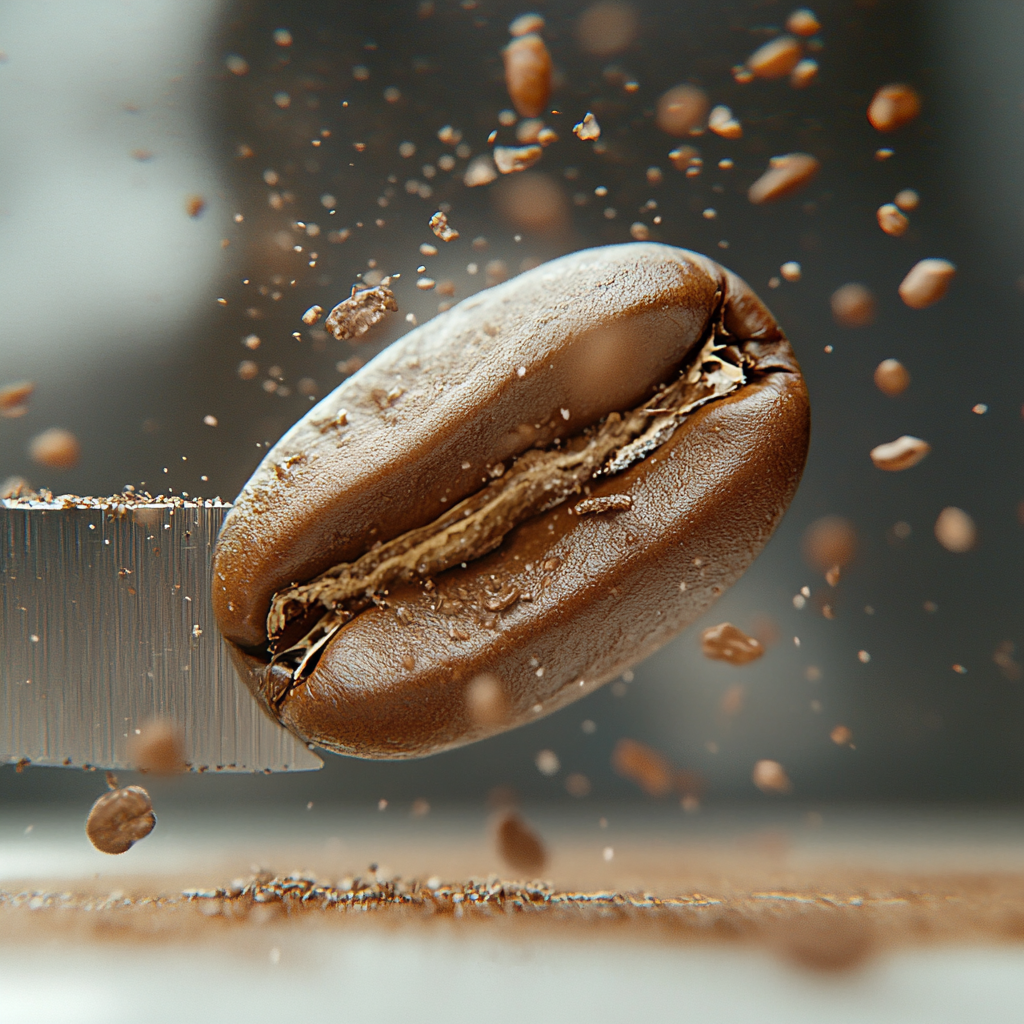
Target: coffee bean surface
[(517, 490)]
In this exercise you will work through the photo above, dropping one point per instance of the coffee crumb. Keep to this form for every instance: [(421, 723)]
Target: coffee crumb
[(588, 129), (725, 642), (609, 503), (363, 309), (440, 226)]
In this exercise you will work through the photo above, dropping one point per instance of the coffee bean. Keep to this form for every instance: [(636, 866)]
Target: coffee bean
[(955, 530), (119, 819), (528, 74), (926, 282), (891, 220), (776, 58), (803, 22), (681, 108), (785, 175), (893, 106), (55, 448), (904, 452), (642, 384), (891, 377), (853, 305)]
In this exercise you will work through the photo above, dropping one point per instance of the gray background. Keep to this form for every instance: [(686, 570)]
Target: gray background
[(108, 301)]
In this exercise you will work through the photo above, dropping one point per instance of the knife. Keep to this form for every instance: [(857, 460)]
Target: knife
[(107, 624)]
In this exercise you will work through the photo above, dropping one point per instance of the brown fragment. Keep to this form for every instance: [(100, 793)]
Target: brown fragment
[(55, 448), (528, 74), (926, 282), (532, 202), (776, 58), (853, 305), (312, 315), (480, 171), (486, 702), (725, 642), (440, 226), (528, 130), (893, 106), (803, 22), (119, 819), (15, 487), (577, 785), (680, 109), (785, 175), (891, 220), (771, 777), (904, 452), (732, 701), (644, 765), (829, 542), (364, 308), (907, 199), (841, 736), (1006, 662), (495, 272), (609, 503), (685, 157), (722, 123), (891, 377), (194, 205), (14, 398), (158, 748), (525, 24), (825, 940), (588, 129), (955, 530), (519, 846), (512, 159), (606, 28), (804, 73)]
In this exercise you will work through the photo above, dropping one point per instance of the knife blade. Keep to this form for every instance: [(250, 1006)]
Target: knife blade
[(107, 624)]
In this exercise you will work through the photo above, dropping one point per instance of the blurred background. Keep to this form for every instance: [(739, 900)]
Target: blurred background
[(181, 179)]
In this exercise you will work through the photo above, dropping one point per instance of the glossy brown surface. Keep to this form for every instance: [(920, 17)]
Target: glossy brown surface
[(538, 358)]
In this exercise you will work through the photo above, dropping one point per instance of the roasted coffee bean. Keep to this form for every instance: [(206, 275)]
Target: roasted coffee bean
[(893, 106), (785, 175), (892, 377), (416, 530), (776, 58), (528, 74), (926, 282), (903, 453), (119, 819)]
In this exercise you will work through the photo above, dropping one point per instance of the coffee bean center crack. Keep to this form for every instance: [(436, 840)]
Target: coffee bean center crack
[(538, 480)]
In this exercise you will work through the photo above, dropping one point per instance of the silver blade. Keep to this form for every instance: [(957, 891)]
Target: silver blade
[(107, 624)]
